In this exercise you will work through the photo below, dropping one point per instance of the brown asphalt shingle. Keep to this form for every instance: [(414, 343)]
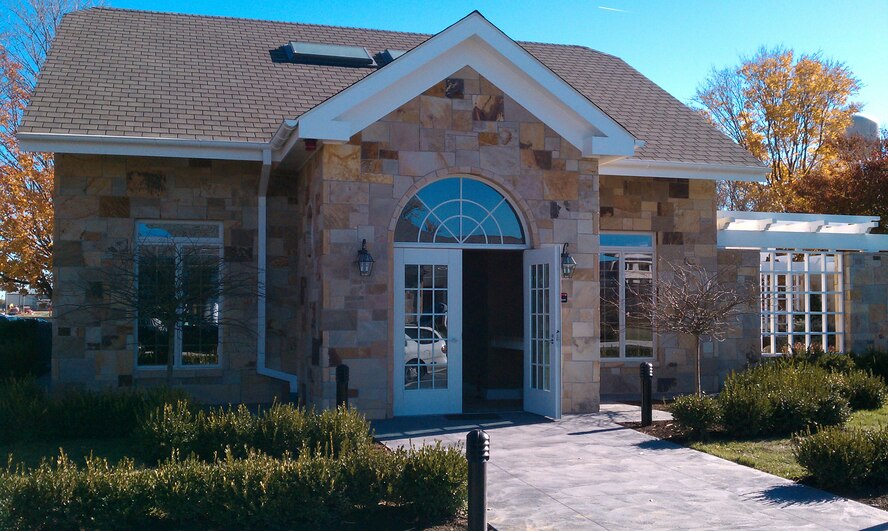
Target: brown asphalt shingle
[(137, 73)]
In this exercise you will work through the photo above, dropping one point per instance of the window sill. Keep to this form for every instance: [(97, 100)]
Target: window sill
[(178, 372), (623, 362)]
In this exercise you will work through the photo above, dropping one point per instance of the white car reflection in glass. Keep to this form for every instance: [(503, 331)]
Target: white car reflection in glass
[(425, 352)]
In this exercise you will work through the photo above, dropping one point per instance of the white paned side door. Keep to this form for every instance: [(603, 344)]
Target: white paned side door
[(428, 331), (542, 331)]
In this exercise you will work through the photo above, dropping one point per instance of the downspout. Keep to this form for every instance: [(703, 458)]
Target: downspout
[(291, 379)]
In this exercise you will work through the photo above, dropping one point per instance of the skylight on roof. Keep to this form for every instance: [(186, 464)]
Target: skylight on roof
[(388, 55), (329, 54)]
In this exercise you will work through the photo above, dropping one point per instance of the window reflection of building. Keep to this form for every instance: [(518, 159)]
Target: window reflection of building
[(626, 274)]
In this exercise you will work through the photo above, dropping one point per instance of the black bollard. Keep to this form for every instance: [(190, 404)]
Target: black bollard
[(647, 377), (477, 454), (342, 385)]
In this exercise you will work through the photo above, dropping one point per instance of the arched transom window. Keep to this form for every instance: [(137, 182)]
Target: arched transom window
[(459, 210)]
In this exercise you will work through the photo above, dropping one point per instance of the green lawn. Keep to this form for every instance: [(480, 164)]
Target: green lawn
[(30, 453), (774, 455)]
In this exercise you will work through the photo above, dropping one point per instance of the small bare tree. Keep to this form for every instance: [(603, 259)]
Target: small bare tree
[(174, 292), (696, 301)]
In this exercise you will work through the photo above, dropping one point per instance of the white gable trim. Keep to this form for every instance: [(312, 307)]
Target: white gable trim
[(473, 42), (683, 170)]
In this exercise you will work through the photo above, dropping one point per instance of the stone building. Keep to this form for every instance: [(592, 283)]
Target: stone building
[(470, 168)]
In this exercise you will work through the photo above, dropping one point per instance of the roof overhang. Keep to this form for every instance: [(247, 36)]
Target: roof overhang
[(631, 167), (141, 146), (476, 43), (776, 230)]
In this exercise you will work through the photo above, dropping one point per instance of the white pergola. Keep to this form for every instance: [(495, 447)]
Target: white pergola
[(775, 230)]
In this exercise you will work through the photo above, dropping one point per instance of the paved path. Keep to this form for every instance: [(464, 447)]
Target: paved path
[(588, 472)]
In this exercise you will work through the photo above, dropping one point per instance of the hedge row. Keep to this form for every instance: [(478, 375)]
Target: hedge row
[(27, 412), (779, 398), (256, 492), (25, 347), (838, 457), (275, 431)]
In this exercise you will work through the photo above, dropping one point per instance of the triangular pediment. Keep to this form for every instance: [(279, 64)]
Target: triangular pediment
[(478, 44)]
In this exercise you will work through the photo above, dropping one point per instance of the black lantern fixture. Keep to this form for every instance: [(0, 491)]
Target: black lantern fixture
[(365, 261), (568, 264)]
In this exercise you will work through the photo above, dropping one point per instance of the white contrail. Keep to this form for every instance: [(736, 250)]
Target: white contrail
[(613, 9)]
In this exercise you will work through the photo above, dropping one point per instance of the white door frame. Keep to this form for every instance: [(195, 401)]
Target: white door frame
[(429, 401), (542, 331)]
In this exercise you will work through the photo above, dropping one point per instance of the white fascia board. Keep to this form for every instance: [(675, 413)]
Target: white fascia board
[(476, 43), (841, 219), (632, 167), (802, 240), (141, 146)]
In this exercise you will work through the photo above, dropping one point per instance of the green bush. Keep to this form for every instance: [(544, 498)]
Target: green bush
[(25, 347), (106, 414), (782, 397), (864, 391), (874, 362), (27, 412), (837, 457), (434, 481), (699, 415), (280, 429), (23, 409), (257, 492)]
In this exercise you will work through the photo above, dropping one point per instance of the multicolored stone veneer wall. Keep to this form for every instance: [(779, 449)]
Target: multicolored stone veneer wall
[(97, 201), (681, 213), (461, 126), (866, 301), (742, 344)]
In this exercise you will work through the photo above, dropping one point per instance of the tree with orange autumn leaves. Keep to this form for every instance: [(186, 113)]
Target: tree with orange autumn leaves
[(856, 182), (789, 110), (26, 179)]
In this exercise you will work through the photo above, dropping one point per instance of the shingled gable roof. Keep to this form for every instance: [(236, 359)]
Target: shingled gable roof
[(185, 79), (478, 44)]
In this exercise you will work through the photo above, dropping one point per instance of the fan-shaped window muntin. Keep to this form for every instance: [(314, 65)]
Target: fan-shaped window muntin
[(459, 211)]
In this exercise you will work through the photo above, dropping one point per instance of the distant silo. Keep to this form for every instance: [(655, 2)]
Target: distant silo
[(863, 126)]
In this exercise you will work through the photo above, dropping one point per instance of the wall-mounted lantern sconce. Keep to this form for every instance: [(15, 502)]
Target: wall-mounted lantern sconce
[(365, 261), (568, 264)]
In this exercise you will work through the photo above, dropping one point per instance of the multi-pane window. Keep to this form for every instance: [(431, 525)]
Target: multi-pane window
[(178, 268), (802, 301), (425, 326), (626, 275), (459, 210)]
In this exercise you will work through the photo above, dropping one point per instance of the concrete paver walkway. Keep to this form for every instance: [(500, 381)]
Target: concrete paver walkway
[(588, 472)]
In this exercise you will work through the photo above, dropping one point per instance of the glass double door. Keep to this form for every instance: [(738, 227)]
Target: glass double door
[(428, 329)]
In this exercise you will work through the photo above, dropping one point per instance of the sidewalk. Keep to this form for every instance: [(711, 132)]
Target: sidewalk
[(588, 472)]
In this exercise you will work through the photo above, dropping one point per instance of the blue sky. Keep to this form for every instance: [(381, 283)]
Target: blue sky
[(674, 43)]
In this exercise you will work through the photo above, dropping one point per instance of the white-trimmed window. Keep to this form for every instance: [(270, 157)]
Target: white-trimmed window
[(802, 301), (178, 275), (626, 275)]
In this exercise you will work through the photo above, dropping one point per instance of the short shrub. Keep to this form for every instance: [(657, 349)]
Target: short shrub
[(27, 412), (106, 414), (256, 492), (699, 415), (25, 347), (781, 398), (873, 361), (814, 355), (23, 409), (281, 429), (434, 481), (864, 391), (837, 457)]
